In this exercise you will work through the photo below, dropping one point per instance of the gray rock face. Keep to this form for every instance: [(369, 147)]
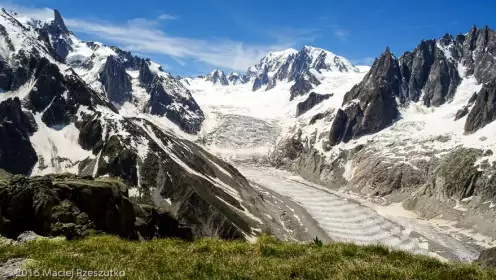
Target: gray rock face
[(116, 84), (284, 71), (324, 115), (457, 176), (288, 150), (484, 110), (427, 69), (153, 161), (430, 72), (128, 60), (16, 152), (58, 35), (314, 58), (442, 82), (169, 98), (67, 205), (304, 83), (312, 100), (54, 95), (487, 258), (374, 107), (261, 80), (466, 108), (346, 124), (290, 65), (478, 53), (145, 75), (116, 81), (432, 66), (27, 236), (10, 268), (217, 77), (235, 78)]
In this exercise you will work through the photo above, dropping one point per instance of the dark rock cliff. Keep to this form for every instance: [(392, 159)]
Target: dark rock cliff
[(370, 105)]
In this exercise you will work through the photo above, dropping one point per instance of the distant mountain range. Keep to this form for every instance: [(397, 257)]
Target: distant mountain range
[(287, 65)]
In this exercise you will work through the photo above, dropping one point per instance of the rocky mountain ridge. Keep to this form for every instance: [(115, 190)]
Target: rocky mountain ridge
[(63, 109), (287, 65), (121, 77), (418, 129), (431, 74)]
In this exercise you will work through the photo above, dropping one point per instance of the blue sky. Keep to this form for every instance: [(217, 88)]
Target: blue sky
[(192, 37)]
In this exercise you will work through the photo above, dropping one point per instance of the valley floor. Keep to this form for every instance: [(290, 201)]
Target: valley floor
[(348, 218), (243, 127)]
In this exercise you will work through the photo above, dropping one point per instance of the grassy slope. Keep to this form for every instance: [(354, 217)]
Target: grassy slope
[(217, 259)]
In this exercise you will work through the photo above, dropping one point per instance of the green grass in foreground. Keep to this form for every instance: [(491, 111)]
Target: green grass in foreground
[(217, 259)]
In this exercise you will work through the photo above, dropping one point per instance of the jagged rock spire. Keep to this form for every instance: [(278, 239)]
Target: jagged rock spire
[(59, 21)]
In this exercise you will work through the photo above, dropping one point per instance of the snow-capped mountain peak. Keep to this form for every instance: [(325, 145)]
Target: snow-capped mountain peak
[(274, 59), (321, 59), (286, 66), (217, 77), (234, 78)]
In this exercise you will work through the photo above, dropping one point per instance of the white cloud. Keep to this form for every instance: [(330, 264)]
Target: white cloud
[(166, 17), (341, 34), (143, 35), (364, 61), (35, 13)]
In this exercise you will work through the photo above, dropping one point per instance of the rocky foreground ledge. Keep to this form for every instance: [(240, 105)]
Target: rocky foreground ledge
[(72, 206)]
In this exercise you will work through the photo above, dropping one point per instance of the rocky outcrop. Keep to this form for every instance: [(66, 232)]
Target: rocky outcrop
[(457, 175), (324, 115), (487, 258), (466, 108), (290, 64), (288, 150), (478, 53), (484, 109), (428, 73), (173, 173), (304, 83), (118, 160), (200, 190), (312, 100), (116, 81), (346, 124), (57, 96), (145, 74), (16, 152), (370, 106), (47, 204), (200, 203), (58, 36), (235, 78), (68, 205), (169, 98), (91, 133), (217, 77), (318, 59), (261, 80), (128, 60), (428, 70)]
